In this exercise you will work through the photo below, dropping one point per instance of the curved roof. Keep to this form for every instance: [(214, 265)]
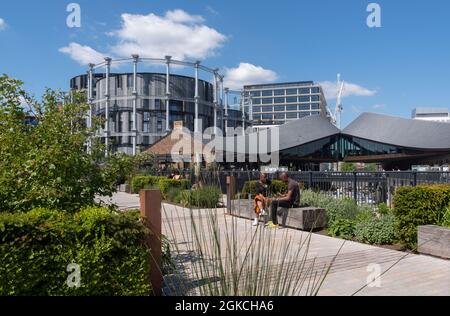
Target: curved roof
[(306, 130), (400, 131)]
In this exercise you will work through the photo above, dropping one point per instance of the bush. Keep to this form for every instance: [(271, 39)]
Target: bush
[(415, 206), (445, 222), (342, 228), (376, 230), (162, 183), (276, 187), (110, 248), (206, 197)]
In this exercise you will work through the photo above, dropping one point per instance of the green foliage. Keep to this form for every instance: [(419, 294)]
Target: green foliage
[(205, 197), (383, 209), (348, 167), (47, 164), (276, 187), (445, 222), (342, 228), (164, 184), (36, 248), (376, 230), (421, 205)]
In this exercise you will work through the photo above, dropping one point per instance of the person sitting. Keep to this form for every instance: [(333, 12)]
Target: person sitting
[(289, 200), (261, 197)]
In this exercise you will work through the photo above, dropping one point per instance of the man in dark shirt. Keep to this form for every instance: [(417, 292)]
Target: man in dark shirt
[(289, 200)]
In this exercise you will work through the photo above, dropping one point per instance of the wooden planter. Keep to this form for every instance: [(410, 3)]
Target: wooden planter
[(434, 240)]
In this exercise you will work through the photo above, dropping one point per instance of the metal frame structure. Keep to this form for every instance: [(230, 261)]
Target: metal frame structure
[(220, 110)]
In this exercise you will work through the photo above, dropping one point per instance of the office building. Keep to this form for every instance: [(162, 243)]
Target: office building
[(432, 114)]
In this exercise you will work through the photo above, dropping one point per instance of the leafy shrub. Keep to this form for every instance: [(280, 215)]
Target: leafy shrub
[(162, 183), (110, 248), (205, 197), (276, 187), (445, 222), (376, 230), (165, 184), (342, 228), (415, 206), (144, 182)]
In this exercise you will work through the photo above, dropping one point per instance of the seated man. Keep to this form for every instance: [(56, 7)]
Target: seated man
[(262, 187), (289, 200)]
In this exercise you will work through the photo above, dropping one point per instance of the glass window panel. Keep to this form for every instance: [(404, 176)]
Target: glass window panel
[(291, 115), (280, 92), (267, 93), (315, 113), (291, 91), (291, 100), (304, 91), (291, 108), (267, 108), (315, 106), (267, 101), (255, 93), (315, 90), (267, 117), (256, 109), (304, 107), (304, 98), (279, 116), (279, 108), (256, 101), (280, 100), (315, 98)]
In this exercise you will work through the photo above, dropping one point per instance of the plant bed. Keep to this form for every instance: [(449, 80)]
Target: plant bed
[(434, 240)]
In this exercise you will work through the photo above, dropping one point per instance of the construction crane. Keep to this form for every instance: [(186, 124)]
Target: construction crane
[(336, 115)]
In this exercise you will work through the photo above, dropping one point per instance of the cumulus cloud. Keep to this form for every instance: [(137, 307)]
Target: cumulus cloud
[(350, 89), (2, 24), (177, 34), (83, 55), (245, 74)]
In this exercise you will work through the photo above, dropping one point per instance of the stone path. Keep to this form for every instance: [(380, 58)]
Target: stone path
[(402, 273)]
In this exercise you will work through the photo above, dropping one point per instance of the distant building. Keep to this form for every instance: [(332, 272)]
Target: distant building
[(280, 103), (432, 114)]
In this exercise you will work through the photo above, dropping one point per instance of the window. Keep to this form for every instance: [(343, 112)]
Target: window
[(291, 108), (291, 100), (267, 93), (280, 100), (280, 92), (304, 114), (257, 109), (291, 115), (255, 93), (315, 98), (304, 98), (146, 140), (315, 90), (304, 107), (305, 91), (256, 101), (267, 117), (315, 113), (146, 127), (267, 108), (280, 116), (279, 108), (267, 101), (315, 106), (146, 116), (291, 91)]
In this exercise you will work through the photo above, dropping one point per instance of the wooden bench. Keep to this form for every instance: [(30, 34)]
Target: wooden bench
[(434, 240), (303, 218)]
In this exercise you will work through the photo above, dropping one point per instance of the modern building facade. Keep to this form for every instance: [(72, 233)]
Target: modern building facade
[(141, 108), (280, 103), (432, 114)]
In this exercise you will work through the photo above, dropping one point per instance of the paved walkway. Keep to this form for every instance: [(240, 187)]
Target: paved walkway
[(402, 273)]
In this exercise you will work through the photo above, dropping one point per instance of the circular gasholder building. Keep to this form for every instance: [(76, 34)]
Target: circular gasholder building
[(142, 107)]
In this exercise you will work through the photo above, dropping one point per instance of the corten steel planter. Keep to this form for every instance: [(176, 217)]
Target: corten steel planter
[(434, 240)]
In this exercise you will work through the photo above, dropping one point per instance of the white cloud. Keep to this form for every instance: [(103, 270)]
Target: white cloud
[(211, 10), (178, 34), (180, 16), (378, 106), (245, 74), (350, 89), (84, 55), (2, 24)]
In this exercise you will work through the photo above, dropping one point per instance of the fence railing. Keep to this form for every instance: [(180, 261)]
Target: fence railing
[(364, 187)]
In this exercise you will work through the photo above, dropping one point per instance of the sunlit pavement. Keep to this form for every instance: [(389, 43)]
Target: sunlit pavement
[(402, 273)]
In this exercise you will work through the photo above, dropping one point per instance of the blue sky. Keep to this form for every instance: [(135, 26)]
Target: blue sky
[(392, 69)]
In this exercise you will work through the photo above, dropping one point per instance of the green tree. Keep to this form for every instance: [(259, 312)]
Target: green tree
[(46, 164)]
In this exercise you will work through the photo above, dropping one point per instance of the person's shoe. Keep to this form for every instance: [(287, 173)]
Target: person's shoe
[(269, 223), (274, 226), (255, 222)]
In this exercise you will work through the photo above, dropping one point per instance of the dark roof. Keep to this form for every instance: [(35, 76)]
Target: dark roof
[(400, 131)]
